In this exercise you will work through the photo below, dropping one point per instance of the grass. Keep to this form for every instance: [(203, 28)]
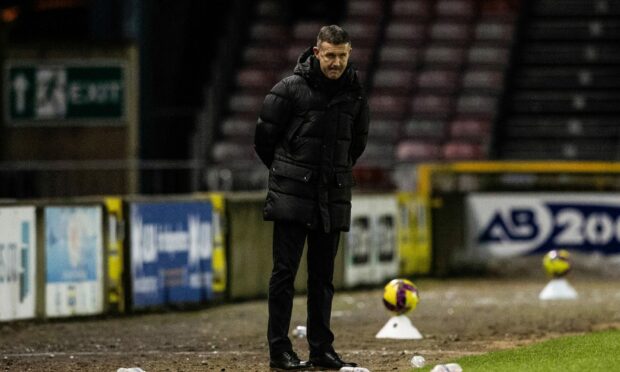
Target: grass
[(599, 351)]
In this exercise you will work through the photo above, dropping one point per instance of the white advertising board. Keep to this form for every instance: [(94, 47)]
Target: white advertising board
[(74, 261), (371, 250), (17, 263)]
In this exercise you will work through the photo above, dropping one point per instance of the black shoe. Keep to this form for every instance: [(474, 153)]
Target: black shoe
[(288, 361), (330, 360)]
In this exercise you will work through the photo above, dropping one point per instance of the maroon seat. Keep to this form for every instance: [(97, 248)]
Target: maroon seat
[(499, 8), (494, 30), (488, 80), (446, 56), (412, 150), (424, 128), (402, 57), (306, 31), (393, 81), (267, 33), (438, 81), (388, 107), (381, 153), (268, 9), (228, 151), (451, 31), (461, 150), (432, 106), (455, 8), (470, 128), (250, 79), (477, 105), (362, 33), (384, 130), (246, 104), (488, 55), (238, 127), (407, 33), (411, 9), (264, 57), (367, 10)]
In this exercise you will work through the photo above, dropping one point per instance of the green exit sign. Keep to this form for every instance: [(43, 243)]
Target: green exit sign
[(57, 93)]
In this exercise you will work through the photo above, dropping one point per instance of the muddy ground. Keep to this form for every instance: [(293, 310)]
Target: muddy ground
[(456, 317)]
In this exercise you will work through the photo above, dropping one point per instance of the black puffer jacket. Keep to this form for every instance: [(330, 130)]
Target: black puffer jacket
[(310, 132)]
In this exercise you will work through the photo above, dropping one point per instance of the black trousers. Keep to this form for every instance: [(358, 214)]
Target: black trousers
[(288, 246)]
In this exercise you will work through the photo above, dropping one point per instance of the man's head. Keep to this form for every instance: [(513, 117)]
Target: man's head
[(332, 49)]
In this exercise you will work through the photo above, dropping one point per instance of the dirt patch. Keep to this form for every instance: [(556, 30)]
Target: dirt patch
[(456, 318)]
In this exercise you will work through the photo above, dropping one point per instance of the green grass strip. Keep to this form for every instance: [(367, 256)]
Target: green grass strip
[(599, 351)]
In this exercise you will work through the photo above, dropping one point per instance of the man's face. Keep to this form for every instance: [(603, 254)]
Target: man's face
[(333, 58)]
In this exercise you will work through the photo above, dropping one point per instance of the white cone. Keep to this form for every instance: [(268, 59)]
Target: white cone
[(558, 289), (399, 327)]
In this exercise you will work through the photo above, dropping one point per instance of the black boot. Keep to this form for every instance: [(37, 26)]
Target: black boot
[(330, 360), (288, 361)]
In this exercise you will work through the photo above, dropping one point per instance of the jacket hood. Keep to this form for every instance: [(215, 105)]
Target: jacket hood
[(304, 69)]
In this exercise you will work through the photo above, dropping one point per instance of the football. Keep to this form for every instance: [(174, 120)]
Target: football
[(557, 263), (400, 296)]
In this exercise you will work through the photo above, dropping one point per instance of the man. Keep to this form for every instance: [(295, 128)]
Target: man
[(311, 130)]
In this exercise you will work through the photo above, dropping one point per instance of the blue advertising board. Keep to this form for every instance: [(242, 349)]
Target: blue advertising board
[(171, 252), (508, 225)]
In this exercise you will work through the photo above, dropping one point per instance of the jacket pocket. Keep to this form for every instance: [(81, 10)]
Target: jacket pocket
[(345, 179), (288, 170)]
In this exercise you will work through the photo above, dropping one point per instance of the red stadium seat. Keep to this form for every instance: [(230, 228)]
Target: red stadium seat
[(403, 57), (388, 107), (470, 128), (487, 80), (411, 150), (424, 128), (477, 105), (451, 31), (455, 8), (432, 106), (407, 33), (488, 55), (445, 56), (238, 127), (438, 81), (393, 81), (460, 150), (251, 79), (493, 30), (411, 9)]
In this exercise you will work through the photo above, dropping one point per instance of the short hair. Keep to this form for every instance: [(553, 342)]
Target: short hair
[(332, 34)]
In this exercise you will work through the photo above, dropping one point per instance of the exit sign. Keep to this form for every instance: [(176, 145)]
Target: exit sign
[(64, 92)]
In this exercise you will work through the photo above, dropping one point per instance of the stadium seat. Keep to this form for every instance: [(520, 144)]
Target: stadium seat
[(424, 128), (238, 127), (415, 151), (411, 9), (432, 106), (408, 33), (438, 81), (491, 30), (384, 130), (477, 105), (444, 56), (461, 150), (455, 8), (399, 57), (489, 81), (470, 129), (250, 79), (393, 81), (481, 55), (451, 32), (388, 107), (227, 151), (246, 104)]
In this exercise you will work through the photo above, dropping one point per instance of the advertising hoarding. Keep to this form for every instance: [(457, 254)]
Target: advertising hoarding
[(371, 250), (73, 260), (171, 252), (17, 263), (517, 224)]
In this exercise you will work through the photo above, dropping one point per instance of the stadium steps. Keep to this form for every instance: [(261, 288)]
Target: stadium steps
[(563, 96)]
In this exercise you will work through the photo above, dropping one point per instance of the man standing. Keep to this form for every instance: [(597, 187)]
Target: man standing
[(311, 130)]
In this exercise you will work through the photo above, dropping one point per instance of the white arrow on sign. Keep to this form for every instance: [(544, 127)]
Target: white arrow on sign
[(20, 85)]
